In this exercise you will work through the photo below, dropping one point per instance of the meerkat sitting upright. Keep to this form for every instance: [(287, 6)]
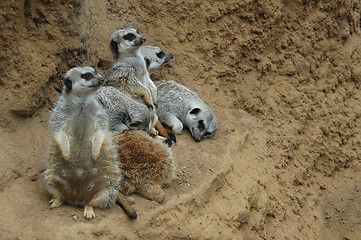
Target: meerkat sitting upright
[(82, 165), (155, 57), (129, 74), (146, 163), (178, 106)]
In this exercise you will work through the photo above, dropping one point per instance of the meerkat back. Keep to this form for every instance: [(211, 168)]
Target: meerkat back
[(146, 163)]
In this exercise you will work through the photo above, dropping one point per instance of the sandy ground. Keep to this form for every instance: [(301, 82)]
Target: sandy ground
[(283, 78)]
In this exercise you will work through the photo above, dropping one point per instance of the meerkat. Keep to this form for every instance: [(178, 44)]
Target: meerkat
[(123, 111), (82, 166), (146, 162), (155, 57), (178, 106), (129, 74)]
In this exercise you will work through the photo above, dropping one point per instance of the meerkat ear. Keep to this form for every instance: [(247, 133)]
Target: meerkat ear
[(114, 45), (147, 62), (195, 111), (68, 83)]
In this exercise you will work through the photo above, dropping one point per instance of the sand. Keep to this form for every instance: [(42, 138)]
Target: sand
[(283, 78)]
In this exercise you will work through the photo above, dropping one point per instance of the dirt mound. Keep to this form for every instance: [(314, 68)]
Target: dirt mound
[(283, 78)]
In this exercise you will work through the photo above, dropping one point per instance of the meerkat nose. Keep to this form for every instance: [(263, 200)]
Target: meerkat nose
[(143, 39)]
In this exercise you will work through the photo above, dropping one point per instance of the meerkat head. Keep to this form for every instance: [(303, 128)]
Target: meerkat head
[(125, 41), (81, 80), (138, 119), (155, 57), (202, 123)]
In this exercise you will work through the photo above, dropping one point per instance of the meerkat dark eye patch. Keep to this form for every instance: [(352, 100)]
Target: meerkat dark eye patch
[(201, 125), (87, 76), (129, 37), (147, 62), (68, 83), (135, 124), (160, 54), (195, 111)]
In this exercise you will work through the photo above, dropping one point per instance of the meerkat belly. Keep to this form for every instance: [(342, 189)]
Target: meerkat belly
[(78, 183)]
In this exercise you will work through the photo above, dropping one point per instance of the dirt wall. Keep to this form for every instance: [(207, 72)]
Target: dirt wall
[(283, 78)]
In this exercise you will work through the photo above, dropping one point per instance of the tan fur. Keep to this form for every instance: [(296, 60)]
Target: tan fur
[(146, 162)]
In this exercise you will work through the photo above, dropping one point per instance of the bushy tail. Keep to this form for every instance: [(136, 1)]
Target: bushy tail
[(128, 209)]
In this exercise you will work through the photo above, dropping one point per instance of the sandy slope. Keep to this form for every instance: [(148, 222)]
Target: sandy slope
[(283, 78)]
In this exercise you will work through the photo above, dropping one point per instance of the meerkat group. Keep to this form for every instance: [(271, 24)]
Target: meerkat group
[(104, 139)]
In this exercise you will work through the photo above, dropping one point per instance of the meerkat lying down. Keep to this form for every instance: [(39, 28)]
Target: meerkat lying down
[(146, 163), (82, 167), (155, 57), (178, 106)]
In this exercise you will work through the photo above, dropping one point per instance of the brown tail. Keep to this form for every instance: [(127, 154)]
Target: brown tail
[(128, 209), (165, 133)]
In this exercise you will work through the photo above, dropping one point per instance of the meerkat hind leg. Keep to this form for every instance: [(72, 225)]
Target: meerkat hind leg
[(152, 192), (128, 209), (173, 122)]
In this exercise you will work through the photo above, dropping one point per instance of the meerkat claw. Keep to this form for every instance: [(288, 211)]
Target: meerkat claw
[(95, 160), (66, 160), (54, 203)]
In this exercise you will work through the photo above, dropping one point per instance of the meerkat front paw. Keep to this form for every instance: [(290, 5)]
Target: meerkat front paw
[(54, 203), (153, 132), (97, 143), (89, 212), (62, 140)]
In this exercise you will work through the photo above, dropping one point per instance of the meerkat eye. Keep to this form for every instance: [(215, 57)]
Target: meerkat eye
[(200, 125), (160, 54), (195, 111), (90, 187), (87, 76), (129, 37)]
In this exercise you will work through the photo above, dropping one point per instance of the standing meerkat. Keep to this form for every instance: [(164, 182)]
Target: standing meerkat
[(155, 57), (146, 162), (82, 166), (178, 106), (129, 74)]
